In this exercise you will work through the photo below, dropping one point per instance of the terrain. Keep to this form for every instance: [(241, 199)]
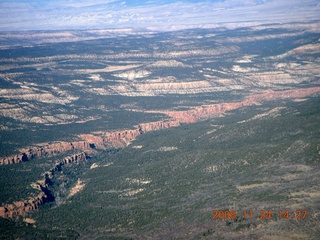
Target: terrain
[(143, 135)]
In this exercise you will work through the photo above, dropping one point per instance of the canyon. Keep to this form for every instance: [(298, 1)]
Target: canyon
[(23, 207), (123, 138), (120, 139)]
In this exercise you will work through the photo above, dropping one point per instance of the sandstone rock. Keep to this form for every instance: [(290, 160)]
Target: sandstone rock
[(47, 150), (3, 212), (152, 126), (121, 138), (19, 204), (21, 208), (95, 141), (125, 137), (29, 220)]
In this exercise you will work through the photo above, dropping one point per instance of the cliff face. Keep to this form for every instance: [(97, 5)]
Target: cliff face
[(21, 208), (14, 159), (93, 141), (75, 158), (109, 139), (209, 111), (125, 137), (55, 149), (47, 150), (120, 138), (206, 112), (201, 113), (152, 126)]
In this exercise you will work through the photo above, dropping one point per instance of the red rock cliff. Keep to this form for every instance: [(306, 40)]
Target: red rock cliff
[(125, 137), (21, 208), (209, 111), (120, 138), (152, 126), (47, 150)]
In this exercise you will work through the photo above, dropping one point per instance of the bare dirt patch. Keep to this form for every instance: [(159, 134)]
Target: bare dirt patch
[(77, 188)]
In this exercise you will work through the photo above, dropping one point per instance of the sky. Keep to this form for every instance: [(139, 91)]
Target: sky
[(16, 15)]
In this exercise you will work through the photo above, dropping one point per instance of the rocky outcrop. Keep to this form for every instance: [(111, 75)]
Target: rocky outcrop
[(204, 112), (109, 139), (55, 149), (75, 158), (22, 157), (120, 138), (93, 140), (21, 208), (125, 137), (153, 126), (47, 150)]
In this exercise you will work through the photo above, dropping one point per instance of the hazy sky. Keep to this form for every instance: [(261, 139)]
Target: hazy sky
[(162, 14)]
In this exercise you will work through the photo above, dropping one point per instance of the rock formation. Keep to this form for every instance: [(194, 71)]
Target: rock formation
[(120, 138), (75, 158), (209, 111), (47, 150), (152, 126), (125, 137), (14, 159), (21, 208), (93, 140), (109, 139)]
